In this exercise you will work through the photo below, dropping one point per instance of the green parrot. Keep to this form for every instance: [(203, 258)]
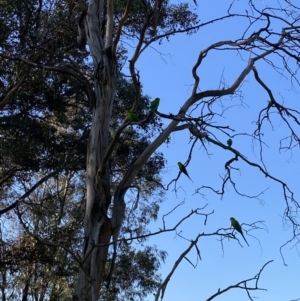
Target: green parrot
[(183, 169), (154, 104), (112, 134), (149, 178), (131, 117), (236, 225), (229, 142)]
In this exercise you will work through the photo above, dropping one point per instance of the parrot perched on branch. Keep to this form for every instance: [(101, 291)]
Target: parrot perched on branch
[(183, 169), (112, 134), (154, 104), (236, 225), (149, 178), (131, 117), (229, 142)]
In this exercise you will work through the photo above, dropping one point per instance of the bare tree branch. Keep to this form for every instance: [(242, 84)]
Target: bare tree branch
[(244, 285)]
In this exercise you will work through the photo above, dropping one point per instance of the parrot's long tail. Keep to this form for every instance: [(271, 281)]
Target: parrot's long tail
[(245, 240)]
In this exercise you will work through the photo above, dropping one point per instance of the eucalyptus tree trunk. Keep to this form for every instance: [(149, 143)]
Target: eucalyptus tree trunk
[(97, 226)]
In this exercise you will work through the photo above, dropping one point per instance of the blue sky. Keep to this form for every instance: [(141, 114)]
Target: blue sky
[(168, 75)]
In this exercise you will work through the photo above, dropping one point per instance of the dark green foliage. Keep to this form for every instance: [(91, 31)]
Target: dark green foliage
[(164, 19), (46, 95), (135, 269), (42, 129)]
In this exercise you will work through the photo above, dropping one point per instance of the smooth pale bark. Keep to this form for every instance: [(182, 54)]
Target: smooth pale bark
[(97, 226)]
